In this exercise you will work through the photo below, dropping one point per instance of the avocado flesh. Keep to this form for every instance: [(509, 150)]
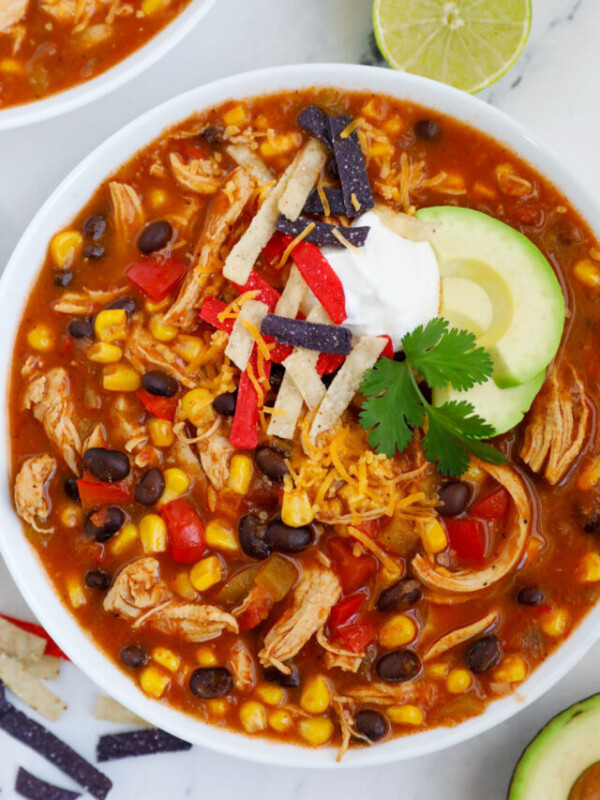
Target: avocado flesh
[(559, 754), (525, 295)]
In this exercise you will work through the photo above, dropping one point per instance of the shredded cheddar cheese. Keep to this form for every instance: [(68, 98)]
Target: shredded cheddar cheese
[(263, 348), (342, 239), (288, 250), (350, 128), (324, 201)]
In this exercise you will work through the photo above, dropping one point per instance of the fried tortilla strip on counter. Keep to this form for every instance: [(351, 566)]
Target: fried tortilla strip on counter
[(136, 589), (459, 636), (31, 490), (86, 302), (215, 454), (464, 581), (198, 174), (33, 788), (556, 427), (126, 209), (190, 621), (138, 743), (244, 157), (142, 349), (346, 660), (49, 396), (312, 600), (311, 162), (224, 213), (11, 12), (110, 710), (20, 644), (241, 664), (241, 342), (46, 669), (29, 689)]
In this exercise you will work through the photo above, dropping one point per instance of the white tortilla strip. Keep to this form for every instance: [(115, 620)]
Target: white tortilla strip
[(20, 644), (287, 409), (46, 669), (346, 383), (29, 689), (240, 344), (246, 158), (406, 225), (312, 160), (110, 710), (459, 636), (302, 365), (289, 302)]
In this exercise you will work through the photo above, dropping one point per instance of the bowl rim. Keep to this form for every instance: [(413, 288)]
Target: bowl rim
[(66, 200), (110, 80)]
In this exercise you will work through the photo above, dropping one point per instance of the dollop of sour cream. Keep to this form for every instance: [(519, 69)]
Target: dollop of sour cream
[(392, 284)]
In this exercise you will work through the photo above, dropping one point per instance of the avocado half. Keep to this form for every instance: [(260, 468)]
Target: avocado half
[(563, 761)]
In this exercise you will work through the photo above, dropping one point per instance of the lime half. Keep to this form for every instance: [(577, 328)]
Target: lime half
[(468, 44)]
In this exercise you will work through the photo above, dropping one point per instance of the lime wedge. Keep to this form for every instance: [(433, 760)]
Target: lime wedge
[(468, 44)]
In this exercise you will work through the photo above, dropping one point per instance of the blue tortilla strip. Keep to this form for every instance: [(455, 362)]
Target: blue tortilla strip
[(27, 785), (5, 706), (322, 233), (314, 121), (335, 198), (351, 166), (138, 743), (311, 335)]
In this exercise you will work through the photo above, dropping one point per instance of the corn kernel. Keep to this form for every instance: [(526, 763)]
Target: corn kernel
[(513, 669), (533, 547), (406, 715), (128, 536), (589, 568), (253, 717), (237, 115), (104, 353), (121, 378), (271, 695), (154, 681), (76, 592), (458, 681), (189, 347), (587, 272), (205, 656), (555, 622), (110, 325), (394, 126), (161, 432), (176, 484), (373, 108), (183, 586), (166, 658), (240, 474), (316, 695), (397, 631), (316, 731), (280, 144), (149, 7), (153, 534), (381, 149), (41, 338), (439, 670), (206, 573), (153, 307), (160, 331), (589, 477), (296, 509), (484, 191), (211, 497), (433, 537), (70, 516), (262, 123), (11, 66), (217, 706), (197, 406), (65, 247), (474, 473), (221, 536), (158, 198), (280, 720)]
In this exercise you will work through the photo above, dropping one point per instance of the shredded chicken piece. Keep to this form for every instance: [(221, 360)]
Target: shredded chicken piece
[(319, 589), (191, 622), (127, 212), (137, 588), (459, 636), (241, 664), (86, 302), (464, 581), (391, 694), (31, 495), (49, 396), (344, 708), (346, 660), (142, 349), (556, 427), (247, 158), (198, 174), (11, 12), (183, 454), (215, 455), (96, 438)]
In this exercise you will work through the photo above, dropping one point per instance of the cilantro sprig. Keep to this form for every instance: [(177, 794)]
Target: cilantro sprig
[(395, 406)]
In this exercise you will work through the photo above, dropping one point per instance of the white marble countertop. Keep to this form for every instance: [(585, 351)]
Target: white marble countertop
[(552, 90)]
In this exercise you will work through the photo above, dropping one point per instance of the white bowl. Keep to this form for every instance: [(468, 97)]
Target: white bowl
[(16, 283), (109, 81)]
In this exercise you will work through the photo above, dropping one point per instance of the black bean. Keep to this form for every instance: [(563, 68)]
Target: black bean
[(97, 579), (150, 488), (455, 497), (94, 226), (402, 594), (427, 129), (128, 303), (207, 682), (71, 489), (133, 656), (273, 675), (329, 377), (212, 135), (400, 356), (104, 523), (276, 376), (80, 328), (590, 522), (106, 465), (62, 277), (484, 654), (252, 530), (225, 404), (286, 539), (332, 169), (370, 724), (93, 252), (159, 383), (154, 237), (530, 596), (271, 463), (400, 665)]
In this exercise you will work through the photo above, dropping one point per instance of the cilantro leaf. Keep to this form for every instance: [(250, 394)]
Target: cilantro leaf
[(454, 360), (422, 338)]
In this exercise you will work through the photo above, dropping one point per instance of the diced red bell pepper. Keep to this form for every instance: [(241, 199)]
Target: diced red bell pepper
[(244, 428), (388, 350), (354, 571), (52, 649), (329, 362), (67, 346), (467, 538), (358, 635), (275, 248), (186, 540), (187, 149), (257, 611), (494, 506), (211, 308), (156, 278), (324, 282), (280, 351), (95, 494), (161, 407), (343, 611), (267, 294)]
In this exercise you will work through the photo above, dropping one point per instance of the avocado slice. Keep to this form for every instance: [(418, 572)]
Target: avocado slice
[(524, 293), (563, 761)]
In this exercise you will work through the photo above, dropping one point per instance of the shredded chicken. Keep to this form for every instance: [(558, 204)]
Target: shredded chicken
[(127, 212), (556, 427), (11, 12), (191, 622), (459, 636), (137, 588), (346, 660), (141, 349), (31, 495), (318, 590), (215, 455), (241, 664), (247, 158), (198, 174), (95, 438), (49, 396), (86, 302), (183, 455), (379, 693), (344, 708)]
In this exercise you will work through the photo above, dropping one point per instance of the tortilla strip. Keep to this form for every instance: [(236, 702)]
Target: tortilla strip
[(20, 644), (302, 365), (406, 225), (30, 689), (110, 710), (244, 157), (459, 636), (288, 406), (288, 304), (241, 342), (308, 169), (46, 669)]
